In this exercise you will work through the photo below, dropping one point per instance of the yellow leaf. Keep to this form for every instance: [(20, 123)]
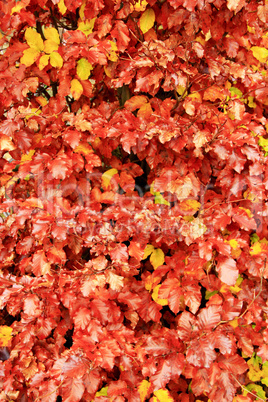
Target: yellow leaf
[(140, 5), (157, 258), (28, 157), (259, 247), (250, 196), (34, 112), (43, 62), (82, 10), (163, 395), (76, 89), (234, 244), (143, 389), (86, 26), (52, 34), (147, 20), (254, 373), (29, 56), (195, 95), (83, 69), (148, 250), (56, 60), (162, 302), (251, 102), (260, 53), (234, 323), (34, 39), (50, 46), (84, 148), (62, 7), (107, 71), (5, 335), (188, 205), (22, 4), (181, 90), (41, 100), (113, 56), (107, 176), (249, 213), (235, 289)]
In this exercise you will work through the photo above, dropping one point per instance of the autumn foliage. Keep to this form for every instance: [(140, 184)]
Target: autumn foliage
[(133, 200)]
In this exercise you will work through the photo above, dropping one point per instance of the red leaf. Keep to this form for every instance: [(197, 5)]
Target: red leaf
[(201, 353), (82, 318), (100, 310), (117, 388), (60, 166), (162, 375), (173, 292), (228, 273), (200, 382), (25, 245), (136, 250), (209, 317), (40, 264), (72, 389), (109, 350), (92, 380), (234, 364), (241, 217), (121, 34)]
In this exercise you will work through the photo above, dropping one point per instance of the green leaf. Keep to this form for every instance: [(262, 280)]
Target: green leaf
[(102, 392), (258, 389), (159, 199), (208, 294)]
